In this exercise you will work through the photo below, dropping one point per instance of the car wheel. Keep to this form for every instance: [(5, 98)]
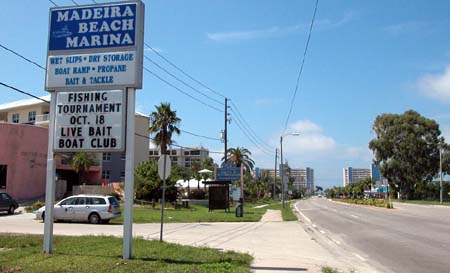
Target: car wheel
[(11, 209), (94, 218), (43, 217)]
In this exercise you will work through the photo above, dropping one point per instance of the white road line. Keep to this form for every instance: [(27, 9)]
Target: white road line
[(354, 216), (321, 231), (337, 242), (314, 225), (306, 218), (359, 257)]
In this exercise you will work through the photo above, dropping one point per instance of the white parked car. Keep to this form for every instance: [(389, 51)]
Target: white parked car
[(84, 208)]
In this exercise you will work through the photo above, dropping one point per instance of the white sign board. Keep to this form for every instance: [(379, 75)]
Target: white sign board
[(91, 70), (90, 121), (95, 47)]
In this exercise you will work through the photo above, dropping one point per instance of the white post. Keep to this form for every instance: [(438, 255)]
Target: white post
[(129, 175), (50, 184)]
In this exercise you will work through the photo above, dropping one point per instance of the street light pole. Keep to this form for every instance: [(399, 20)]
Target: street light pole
[(283, 188), (275, 174), (282, 170)]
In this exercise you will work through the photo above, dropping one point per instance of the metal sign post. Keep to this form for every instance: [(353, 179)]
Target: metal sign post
[(164, 165), (129, 177), (50, 186)]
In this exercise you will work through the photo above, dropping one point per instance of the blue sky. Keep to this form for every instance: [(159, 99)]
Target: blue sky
[(365, 58)]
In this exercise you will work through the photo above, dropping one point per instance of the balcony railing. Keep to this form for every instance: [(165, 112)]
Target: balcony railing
[(42, 118)]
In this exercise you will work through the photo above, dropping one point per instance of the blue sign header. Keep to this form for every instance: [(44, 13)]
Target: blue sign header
[(98, 26), (228, 174)]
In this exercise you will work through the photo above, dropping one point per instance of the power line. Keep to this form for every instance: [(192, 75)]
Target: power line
[(183, 82), (176, 145), (36, 97), (22, 57), (180, 90), (236, 111), (73, 1), (23, 92), (184, 73), (251, 137), (197, 135), (53, 3), (251, 140), (301, 66)]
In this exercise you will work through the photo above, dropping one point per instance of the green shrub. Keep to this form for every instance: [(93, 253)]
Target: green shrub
[(36, 205)]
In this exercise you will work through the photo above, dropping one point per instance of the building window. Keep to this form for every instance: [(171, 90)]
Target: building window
[(15, 118), (106, 156), (174, 152), (3, 172), (186, 153), (150, 152), (124, 156), (195, 152), (122, 176), (32, 116), (106, 174)]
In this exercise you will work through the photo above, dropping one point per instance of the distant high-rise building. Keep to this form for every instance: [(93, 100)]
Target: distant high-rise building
[(352, 175), (304, 178)]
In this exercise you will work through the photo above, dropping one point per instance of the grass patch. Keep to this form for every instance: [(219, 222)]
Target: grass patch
[(104, 254), (196, 213), (328, 269), (424, 202), (368, 202)]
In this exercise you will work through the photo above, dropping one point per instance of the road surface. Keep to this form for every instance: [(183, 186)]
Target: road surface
[(409, 238)]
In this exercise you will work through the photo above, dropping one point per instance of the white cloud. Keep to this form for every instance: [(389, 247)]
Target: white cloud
[(277, 31), (411, 26), (436, 86)]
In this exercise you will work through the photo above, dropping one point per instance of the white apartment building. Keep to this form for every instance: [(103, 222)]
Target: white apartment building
[(352, 175), (182, 156)]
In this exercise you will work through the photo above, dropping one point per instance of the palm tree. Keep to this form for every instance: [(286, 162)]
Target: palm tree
[(164, 123), (81, 162), (240, 156), (196, 167)]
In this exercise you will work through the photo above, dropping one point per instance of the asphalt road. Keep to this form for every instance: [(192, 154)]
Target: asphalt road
[(409, 238)]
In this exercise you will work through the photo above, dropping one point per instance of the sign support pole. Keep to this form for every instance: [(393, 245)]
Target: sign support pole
[(163, 202), (50, 183), (129, 175)]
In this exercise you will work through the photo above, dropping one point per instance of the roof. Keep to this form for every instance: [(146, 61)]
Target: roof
[(141, 114), (23, 103)]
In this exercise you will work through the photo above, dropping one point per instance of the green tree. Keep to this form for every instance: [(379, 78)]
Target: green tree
[(196, 167), (148, 184), (240, 156), (81, 162), (406, 148), (164, 123)]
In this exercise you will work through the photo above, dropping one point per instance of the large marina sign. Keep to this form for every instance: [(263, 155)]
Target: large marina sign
[(95, 47)]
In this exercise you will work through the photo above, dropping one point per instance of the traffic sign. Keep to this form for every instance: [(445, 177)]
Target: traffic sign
[(164, 161), (228, 173)]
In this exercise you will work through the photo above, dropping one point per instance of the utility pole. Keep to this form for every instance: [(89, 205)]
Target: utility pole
[(282, 171), (440, 172), (275, 174), (225, 131)]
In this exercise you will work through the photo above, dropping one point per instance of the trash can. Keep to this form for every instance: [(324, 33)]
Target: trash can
[(240, 208)]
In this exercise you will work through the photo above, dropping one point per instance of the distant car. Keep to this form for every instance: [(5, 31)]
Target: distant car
[(94, 209), (7, 203)]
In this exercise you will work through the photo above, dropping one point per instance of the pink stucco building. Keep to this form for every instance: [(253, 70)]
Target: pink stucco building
[(23, 160)]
